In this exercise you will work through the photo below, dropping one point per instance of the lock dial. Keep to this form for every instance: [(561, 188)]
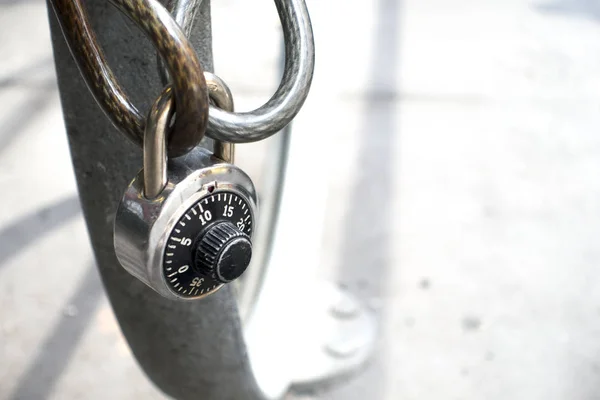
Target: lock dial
[(209, 245)]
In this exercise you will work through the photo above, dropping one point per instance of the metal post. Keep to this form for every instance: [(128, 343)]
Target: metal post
[(190, 350)]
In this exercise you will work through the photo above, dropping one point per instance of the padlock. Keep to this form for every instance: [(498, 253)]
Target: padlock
[(184, 226)]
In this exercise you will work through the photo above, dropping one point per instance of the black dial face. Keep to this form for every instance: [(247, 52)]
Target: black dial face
[(181, 274)]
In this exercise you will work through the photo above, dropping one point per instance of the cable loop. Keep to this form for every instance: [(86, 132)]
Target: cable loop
[(183, 66), (274, 115), (189, 86)]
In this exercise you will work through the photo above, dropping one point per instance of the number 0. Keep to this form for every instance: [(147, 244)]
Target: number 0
[(183, 268)]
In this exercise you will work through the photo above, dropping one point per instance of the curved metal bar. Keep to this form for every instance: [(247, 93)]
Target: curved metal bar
[(184, 13), (218, 91), (288, 99), (155, 144), (191, 96), (220, 95), (293, 89)]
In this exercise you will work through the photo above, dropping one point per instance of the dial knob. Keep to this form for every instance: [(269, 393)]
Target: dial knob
[(223, 252)]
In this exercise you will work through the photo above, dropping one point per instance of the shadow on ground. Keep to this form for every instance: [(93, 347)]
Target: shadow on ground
[(365, 259), (17, 236), (578, 8), (54, 354)]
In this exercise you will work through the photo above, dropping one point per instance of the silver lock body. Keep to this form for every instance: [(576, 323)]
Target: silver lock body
[(143, 226)]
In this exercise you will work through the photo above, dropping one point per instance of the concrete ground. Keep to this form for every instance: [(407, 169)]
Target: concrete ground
[(464, 204)]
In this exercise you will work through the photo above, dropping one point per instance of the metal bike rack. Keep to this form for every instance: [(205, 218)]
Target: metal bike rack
[(172, 341), (190, 350)]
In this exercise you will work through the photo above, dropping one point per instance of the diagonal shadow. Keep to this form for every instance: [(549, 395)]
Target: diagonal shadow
[(26, 113), (18, 235), (57, 349), (365, 260), (579, 8), (17, 2), (24, 74)]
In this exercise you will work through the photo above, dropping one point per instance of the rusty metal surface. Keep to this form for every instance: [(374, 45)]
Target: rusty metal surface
[(191, 96)]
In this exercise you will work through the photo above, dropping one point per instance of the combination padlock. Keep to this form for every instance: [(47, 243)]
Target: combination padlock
[(184, 226)]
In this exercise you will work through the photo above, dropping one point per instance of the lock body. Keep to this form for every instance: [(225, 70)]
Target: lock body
[(195, 235)]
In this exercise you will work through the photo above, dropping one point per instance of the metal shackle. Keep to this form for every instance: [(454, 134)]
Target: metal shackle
[(155, 143), (157, 129), (221, 96)]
